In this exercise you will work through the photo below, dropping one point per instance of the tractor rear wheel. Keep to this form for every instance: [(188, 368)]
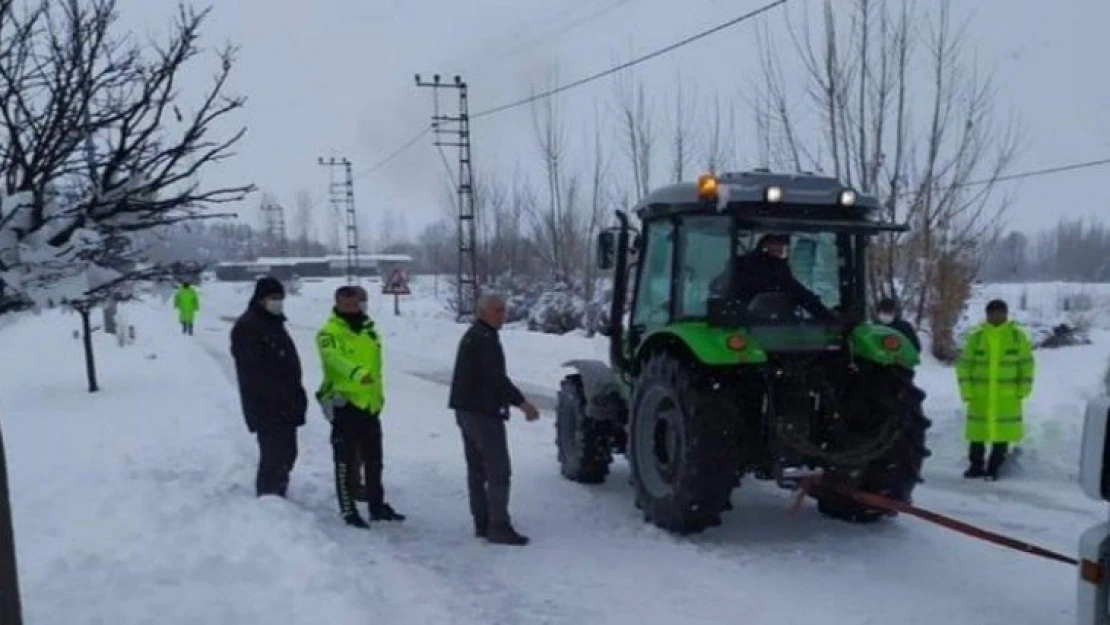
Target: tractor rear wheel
[(895, 474), (682, 447), (584, 447)]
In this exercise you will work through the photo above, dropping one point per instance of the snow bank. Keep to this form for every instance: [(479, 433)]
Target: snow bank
[(136, 504)]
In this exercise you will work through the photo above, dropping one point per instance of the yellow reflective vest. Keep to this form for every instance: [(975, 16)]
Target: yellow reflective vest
[(348, 356), (995, 373)]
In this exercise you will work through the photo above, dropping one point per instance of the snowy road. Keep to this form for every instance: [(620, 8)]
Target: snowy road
[(594, 560)]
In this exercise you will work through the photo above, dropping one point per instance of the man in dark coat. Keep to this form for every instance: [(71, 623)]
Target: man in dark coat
[(889, 314), (481, 394), (270, 388), (766, 270)]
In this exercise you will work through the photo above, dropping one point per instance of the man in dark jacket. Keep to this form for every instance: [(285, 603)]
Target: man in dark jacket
[(766, 270), (270, 389), (889, 314), (481, 393)]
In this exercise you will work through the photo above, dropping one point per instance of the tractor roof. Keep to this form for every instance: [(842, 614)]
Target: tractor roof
[(802, 195)]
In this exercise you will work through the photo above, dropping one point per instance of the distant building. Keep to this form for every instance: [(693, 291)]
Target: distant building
[(284, 268)]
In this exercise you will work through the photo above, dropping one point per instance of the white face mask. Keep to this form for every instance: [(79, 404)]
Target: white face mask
[(886, 318), (274, 306), (363, 307)]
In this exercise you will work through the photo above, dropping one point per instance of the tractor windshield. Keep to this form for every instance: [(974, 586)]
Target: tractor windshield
[(777, 277), (813, 258)]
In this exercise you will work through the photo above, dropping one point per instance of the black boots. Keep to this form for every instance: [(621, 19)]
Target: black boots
[(505, 535), (385, 512), (975, 472), (354, 520), (976, 453), (380, 512)]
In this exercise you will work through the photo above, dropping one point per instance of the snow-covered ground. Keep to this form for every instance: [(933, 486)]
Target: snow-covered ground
[(135, 505)]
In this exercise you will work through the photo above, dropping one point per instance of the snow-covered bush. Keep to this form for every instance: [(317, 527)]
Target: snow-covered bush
[(557, 311)]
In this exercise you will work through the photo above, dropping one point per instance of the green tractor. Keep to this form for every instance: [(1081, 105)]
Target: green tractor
[(721, 371)]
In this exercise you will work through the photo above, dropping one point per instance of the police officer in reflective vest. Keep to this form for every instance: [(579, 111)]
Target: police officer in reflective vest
[(995, 373), (352, 398)]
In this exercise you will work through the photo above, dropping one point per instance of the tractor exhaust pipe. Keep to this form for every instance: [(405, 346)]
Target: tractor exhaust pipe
[(620, 294)]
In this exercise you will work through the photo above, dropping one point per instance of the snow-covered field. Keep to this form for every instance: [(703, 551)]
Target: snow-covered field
[(136, 505)]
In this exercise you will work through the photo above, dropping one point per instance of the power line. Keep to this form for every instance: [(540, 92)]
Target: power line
[(394, 154), (1034, 173), (582, 81), (398, 151), (558, 30), (636, 61)]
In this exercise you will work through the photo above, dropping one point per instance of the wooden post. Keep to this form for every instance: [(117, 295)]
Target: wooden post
[(85, 310), (11, 612), (110, 316)]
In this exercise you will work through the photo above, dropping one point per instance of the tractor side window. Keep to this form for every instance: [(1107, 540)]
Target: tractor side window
[(653, 293), (704, 266)]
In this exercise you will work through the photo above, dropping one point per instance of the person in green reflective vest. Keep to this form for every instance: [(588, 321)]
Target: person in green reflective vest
[(352, 398), (187, 302), (995, 373)]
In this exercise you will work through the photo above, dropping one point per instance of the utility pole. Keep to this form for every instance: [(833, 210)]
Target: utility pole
[(274, 215), (341, 191), (457, 128)]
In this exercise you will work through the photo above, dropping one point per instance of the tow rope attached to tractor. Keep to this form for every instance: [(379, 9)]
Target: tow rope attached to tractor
[(813, 487)]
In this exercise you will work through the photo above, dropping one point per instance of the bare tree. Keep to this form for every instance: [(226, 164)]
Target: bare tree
[(389, 231), (96, 147), (681, 133), (95, 143), (636, 122), (551, 223), (599, 197), (718, 145), (303, 217), (934, 168)]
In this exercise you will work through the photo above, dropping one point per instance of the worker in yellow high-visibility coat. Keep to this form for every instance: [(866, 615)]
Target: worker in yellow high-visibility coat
[(995, 373), (187, 301)]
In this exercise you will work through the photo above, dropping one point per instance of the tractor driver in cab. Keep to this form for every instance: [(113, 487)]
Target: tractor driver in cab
[(766, 269)]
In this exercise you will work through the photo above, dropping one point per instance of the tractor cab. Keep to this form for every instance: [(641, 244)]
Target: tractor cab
[(765, 263)]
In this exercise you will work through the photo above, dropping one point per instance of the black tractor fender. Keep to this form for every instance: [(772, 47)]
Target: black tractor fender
[(601, 389)]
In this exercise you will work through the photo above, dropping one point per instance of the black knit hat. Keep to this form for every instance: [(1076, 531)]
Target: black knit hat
[(267, 286), (888, 304)]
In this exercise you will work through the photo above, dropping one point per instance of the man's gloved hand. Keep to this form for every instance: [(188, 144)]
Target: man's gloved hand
[(531, 413)]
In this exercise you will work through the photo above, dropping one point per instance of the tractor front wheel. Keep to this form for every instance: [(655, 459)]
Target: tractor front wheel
[(584, 448), (681, 447)]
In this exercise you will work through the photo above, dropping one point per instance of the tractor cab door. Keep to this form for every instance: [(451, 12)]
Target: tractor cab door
[(652, 305)]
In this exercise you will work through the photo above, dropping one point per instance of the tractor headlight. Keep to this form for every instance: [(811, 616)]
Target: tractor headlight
[(847, 197), (773, 195)]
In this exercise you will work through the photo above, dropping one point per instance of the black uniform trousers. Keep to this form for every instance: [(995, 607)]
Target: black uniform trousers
[(356, 433), (277, 453)]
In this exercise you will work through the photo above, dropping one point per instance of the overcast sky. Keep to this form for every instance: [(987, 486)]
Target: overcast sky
[(336, 77)]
